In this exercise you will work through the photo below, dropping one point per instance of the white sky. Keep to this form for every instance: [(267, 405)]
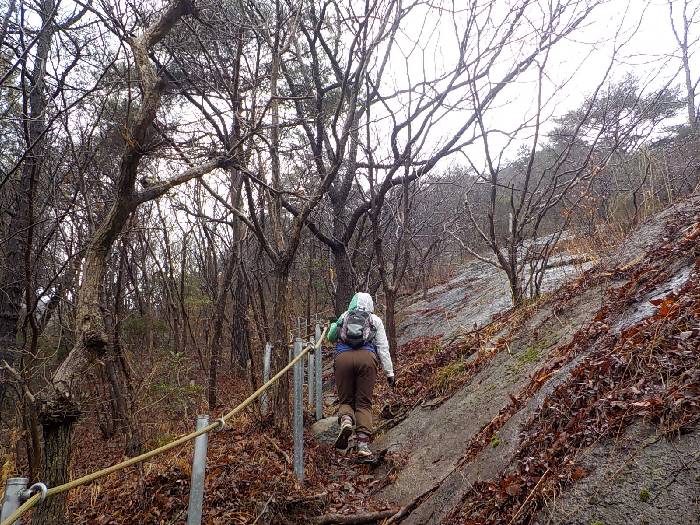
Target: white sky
[(641, 32)]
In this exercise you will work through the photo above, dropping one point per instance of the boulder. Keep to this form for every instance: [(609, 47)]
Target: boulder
[(326, 430)]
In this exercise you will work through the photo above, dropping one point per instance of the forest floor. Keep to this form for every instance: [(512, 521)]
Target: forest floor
[(579, 408)]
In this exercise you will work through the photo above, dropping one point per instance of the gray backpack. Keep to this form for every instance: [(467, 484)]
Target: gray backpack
[(357, 329)]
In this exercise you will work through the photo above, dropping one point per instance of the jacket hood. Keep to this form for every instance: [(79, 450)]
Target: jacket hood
[(362, 301)]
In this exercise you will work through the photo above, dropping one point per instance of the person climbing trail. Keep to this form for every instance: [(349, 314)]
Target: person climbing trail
[(361, 345)]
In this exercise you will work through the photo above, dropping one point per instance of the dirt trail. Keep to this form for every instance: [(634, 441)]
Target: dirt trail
[(435, 440)]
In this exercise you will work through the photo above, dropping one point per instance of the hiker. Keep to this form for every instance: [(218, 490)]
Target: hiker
[(361, 345)]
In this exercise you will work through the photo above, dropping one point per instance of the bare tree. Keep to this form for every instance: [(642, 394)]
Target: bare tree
[(532, 199), (393, 236), (682, 30), (415, 111)]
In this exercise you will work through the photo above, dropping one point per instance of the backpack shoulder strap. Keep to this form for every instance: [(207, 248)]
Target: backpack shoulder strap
[(373, 324)]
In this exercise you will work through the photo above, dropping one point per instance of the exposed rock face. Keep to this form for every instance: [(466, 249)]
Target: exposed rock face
[(471, 299), (641, 478), (638, 477), (449, 427)]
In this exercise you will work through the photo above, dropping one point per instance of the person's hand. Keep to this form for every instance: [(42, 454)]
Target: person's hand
[(391, 380)]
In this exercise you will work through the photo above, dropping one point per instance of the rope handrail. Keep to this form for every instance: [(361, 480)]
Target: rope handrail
[(89, 478)]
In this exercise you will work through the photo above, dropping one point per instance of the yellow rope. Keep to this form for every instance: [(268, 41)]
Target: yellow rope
[(89, 478)]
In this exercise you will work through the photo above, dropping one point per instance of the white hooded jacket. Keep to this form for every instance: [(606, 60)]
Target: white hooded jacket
[(366, 304)]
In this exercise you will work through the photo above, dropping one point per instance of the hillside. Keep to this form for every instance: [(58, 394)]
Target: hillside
[(579, 409), (190, 191)]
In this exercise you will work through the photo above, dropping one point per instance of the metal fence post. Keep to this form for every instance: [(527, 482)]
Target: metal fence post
[(13, 497), (298, 413), (319, 375), (199, 464), (267, 358), (311, 368)]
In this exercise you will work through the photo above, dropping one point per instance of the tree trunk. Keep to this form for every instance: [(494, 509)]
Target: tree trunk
[(33, 439), (116, 393), (221, 295), (344, 278), (134, 439), (690, 101), (117, 371), (280, 392), (57, 445), (240, 338), (390, 318), (239, 351), (516, 291), (217, 328)]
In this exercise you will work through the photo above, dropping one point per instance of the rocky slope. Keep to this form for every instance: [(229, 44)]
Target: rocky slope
[(580, 409)]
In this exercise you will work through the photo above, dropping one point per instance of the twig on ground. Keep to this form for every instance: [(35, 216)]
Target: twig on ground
[(529, 496), (408, 508), (262, 512), (278, 449)]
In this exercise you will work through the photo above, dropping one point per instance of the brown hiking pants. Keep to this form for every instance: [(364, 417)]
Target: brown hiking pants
[(355, 375)]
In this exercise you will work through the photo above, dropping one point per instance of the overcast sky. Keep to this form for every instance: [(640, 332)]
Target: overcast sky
[(640, 31)]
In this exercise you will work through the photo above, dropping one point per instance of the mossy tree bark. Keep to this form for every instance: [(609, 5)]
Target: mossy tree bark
[(58, 428)]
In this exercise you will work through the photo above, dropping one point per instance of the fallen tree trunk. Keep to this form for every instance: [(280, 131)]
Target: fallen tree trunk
[(354, 519)]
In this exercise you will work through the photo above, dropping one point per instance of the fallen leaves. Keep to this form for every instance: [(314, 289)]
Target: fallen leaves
[(651, 370), (248, 478)]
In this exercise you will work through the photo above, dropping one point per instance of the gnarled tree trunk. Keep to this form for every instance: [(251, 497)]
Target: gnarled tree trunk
[(59, 406)]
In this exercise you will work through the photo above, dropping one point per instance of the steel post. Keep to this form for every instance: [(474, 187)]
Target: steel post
[(310, 369), (267, 359), (199, 465), (13, 497), (319, 375), (298, 413)]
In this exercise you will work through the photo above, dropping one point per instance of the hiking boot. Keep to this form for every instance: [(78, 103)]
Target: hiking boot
[(341, 442), (363, 451)]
